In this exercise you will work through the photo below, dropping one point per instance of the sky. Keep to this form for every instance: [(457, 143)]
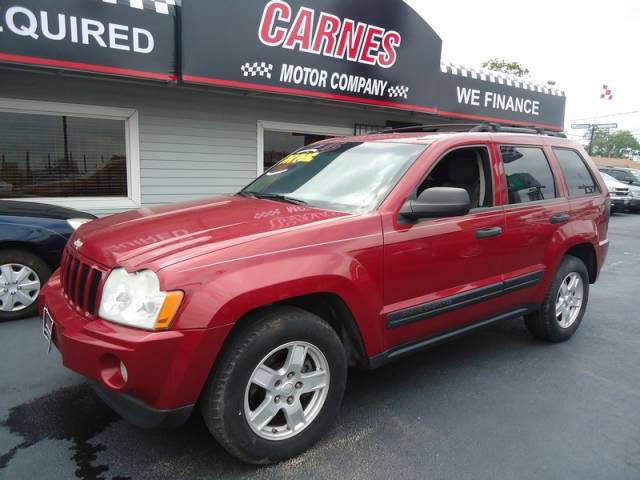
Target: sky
[(581, 45)]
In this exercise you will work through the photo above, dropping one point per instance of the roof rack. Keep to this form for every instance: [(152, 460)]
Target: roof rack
[(477, 127)]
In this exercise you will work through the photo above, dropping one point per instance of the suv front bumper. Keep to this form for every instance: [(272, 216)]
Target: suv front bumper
[(165, 370)]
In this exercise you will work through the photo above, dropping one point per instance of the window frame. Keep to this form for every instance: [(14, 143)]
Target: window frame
[(586, 166), (556, 186), (286, 127), (132, 150), (414, 191)]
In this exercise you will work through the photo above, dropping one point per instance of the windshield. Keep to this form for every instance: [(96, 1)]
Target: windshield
[(354, 176)]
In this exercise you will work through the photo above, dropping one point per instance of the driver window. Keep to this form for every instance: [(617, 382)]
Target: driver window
[(467, 168)]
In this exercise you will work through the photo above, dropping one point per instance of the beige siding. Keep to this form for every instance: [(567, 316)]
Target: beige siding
[(193, 142)]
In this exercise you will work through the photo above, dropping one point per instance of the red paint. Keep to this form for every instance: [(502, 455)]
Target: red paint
[(231, 255), (268, 33), (48, 62)]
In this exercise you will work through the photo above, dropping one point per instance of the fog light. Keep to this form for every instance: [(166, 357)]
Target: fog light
[(123, 372)]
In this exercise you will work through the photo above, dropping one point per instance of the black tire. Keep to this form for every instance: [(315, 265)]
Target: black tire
[(543, 323), (35, 263), (222, 401)]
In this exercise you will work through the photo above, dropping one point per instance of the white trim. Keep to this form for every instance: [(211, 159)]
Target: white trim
[(132, 139), (292, 127)]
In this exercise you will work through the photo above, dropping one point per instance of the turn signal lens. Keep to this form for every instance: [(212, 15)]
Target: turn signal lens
[(169, 309)]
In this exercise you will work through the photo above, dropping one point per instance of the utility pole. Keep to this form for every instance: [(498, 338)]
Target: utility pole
[(593, 127)]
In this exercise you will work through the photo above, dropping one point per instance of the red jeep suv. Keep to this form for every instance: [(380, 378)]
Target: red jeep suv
[(350, 252)]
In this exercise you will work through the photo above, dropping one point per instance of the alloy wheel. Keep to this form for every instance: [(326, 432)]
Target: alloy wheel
[(286, 391), (569, 300)]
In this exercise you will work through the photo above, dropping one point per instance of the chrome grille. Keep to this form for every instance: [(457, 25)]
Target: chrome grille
[(80, 283)]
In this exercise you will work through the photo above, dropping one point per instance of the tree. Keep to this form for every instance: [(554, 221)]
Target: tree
[(619, 144), (504, 66)]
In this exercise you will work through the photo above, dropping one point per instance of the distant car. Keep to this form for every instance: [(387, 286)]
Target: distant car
[(633, 197), (32, 238), (620, 197), (630, 176)]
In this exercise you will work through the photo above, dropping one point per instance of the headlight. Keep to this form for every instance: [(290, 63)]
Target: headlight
[(135, 299), (635, 194), (76, 222)]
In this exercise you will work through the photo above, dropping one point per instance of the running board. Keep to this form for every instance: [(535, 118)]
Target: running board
[(409, 348)]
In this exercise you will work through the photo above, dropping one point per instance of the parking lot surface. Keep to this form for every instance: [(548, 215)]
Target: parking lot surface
[(494, 404)]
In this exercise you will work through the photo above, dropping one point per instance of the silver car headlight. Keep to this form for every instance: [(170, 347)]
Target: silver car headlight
[(635, 194), (135, 300)]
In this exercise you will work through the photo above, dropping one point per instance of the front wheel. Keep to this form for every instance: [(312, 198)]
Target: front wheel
[(564, 305), (277, 386), (22, 274)]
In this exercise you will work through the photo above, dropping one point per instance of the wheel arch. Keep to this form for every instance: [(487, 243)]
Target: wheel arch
[(331, 308), (586, 252), (48, 257)]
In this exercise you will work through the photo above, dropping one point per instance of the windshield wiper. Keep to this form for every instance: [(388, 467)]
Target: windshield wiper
[(245, 193), (279, 198)]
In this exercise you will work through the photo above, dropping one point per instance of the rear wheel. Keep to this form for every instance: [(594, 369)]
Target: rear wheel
[(22, 274), (563, 308), (277, 386)]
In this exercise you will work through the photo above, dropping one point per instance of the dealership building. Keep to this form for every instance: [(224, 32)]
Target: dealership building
[(109, 105)]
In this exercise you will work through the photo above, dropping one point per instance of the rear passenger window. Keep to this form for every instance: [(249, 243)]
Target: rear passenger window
[(578, 177), (529, 175)]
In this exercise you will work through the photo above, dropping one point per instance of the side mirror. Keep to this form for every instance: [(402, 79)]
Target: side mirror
[(438, 202)]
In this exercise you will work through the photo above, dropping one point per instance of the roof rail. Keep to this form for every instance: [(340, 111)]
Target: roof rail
[(476, 127)]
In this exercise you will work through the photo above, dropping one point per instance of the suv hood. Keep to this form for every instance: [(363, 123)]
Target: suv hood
[(169, 234)]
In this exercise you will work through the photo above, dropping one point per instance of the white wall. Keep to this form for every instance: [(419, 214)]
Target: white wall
[(193, 142)]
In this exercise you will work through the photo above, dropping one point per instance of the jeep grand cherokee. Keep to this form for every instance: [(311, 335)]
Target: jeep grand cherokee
[(350, 252)]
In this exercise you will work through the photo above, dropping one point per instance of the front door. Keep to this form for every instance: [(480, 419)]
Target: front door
[(442, 274)]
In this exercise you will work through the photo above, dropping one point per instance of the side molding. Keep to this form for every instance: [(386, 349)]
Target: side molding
[(461, 300)]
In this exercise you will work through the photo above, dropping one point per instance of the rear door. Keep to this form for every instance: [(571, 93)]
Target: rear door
[(535, 205)]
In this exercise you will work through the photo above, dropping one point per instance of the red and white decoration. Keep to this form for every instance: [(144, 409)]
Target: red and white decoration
[(606, 93)]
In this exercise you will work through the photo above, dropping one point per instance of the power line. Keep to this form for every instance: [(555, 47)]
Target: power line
[(606, 116)]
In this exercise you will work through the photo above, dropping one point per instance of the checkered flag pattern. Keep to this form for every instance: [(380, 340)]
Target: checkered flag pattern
[(261, 69), (500, 78), (398, 91), (606, 94), (158, 6)]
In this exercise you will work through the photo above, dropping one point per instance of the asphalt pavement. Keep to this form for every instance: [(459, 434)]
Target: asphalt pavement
[(496, 404)]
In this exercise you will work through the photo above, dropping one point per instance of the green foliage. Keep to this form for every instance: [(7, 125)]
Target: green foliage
[(618, 144), (504, 66)]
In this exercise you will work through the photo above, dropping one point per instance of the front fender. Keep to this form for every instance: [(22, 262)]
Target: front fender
[(234, 291)]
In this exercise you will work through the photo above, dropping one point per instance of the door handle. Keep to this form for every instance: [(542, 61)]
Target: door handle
[(488, 232), (560, 218)]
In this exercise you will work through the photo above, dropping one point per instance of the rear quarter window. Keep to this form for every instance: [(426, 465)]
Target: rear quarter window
[(577, 175)]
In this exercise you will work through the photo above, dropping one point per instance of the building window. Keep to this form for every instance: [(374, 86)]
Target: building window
[(529, 175), (276, 140), (73, 155), (278, 145)]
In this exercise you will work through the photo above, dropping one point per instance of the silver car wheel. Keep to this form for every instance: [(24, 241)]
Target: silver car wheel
[(19, 287), (286, 391), (569, 300)]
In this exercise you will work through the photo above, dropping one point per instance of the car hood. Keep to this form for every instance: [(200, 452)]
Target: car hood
[(39, 210), (168, 234)]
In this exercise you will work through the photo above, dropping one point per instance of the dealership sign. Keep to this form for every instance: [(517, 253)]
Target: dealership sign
[(134, 38), (372, 52), (377, 52)]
